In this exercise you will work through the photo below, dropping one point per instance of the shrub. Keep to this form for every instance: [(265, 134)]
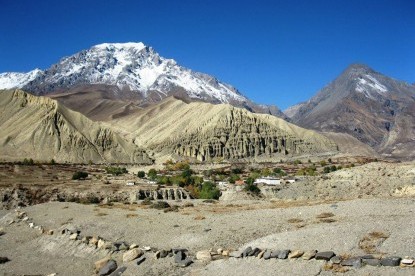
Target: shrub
[(160, 205), (152, 174), (116, 170), (52, 162), (141, 174), (237, 171), (252, 188), (323, 163), (28, 161), (209, 191), (79, 175), (146, 201), (233, 178)]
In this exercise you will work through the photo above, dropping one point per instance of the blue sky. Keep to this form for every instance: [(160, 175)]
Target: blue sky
[(274, 52)]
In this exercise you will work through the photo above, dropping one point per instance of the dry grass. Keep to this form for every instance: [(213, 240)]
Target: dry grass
[(370, 242), (101, 214), (295, 220), (325, 215), (335, 268), (131, 215), (199, 217)]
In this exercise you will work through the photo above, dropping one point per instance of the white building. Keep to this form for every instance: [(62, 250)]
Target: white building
[(268, 181)]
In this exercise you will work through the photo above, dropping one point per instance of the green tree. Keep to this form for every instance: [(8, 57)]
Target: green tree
[(209, 191), (152, 174), (141, 174), (252, 188)]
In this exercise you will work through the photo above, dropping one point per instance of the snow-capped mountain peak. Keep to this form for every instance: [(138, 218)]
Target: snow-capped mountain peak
[(133, 66), (16, 79)]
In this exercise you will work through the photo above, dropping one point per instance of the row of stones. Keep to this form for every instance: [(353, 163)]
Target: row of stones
[(356, 262)]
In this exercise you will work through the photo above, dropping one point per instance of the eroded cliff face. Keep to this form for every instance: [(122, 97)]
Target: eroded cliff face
[(42, 129), (238, 134)]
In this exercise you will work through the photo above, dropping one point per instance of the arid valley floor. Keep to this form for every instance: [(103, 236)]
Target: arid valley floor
[(364, 210)]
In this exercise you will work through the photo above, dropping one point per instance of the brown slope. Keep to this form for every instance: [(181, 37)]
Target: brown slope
[(42, 129)]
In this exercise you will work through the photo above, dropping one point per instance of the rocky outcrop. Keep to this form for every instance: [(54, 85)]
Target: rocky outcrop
[(205, 132)]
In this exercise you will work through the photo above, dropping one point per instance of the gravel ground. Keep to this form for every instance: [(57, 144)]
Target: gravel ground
[(228, 225)]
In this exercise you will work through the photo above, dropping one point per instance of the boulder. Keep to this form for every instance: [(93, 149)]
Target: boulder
[(131, 255), (283, 254), (74, 236), (247, 251), (336, 260), (109, 267), (101, 263), (226, 253), (390, 261), (236, 254), (140, 260), (100, 243), (179, 256), (184, 263), (407, 261), (203, 255), (261, 254), (371, 262), (255, 252), (50, 232), (267, 254), (275, 253), (309, 255), (133, 246), (123, 246), (356, 262), (219, 251), (295, 254), (118, 271), (157, 255), (326, 255)]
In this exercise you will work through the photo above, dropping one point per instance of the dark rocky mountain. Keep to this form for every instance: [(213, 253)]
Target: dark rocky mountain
[(374, 108)]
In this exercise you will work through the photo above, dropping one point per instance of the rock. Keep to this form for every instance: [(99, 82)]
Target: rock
[(295, 254), (326, 255), (73, 236), (175, 250), (4, 260), (25, 219), (336, 260), (179, 256), (275, 253), (109, 267), (131, 255), (226, 253), (309, 255), (11, 222), (261, 254), (2, 232), (118, 271), (93, 241), (407, 261), (246, 252), (50, 232), (372, 262), (356, 262), (121, 246), (368, 257), (390, 261), (164, 253), (101, 263), (255, 252), (146, 248), (101, 243), (203, 255), (236, 254), (283, 254), (157, 255), (184, 263), (20, 214), (267, 254), (31, 225), (140, 260), (219, 251), (133, 246)]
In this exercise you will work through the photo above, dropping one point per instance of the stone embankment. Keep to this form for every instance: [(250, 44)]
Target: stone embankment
[(181, 257)]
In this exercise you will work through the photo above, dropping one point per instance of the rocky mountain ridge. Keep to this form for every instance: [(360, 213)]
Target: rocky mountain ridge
[(376, 109), (126, 68)]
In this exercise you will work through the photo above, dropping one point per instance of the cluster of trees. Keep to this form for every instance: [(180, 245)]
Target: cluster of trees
[(116, 170), (332, 168)]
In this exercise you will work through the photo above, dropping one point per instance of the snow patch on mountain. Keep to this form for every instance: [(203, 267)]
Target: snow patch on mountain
[(17, 80), (369, 85)]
